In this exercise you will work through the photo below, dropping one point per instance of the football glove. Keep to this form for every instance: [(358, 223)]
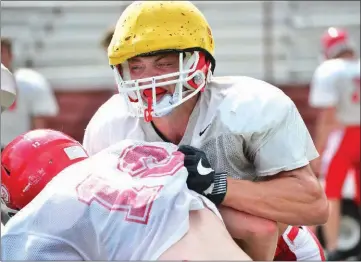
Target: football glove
[(201, 176)]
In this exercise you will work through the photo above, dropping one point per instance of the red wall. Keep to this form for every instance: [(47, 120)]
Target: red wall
[(76, 109)]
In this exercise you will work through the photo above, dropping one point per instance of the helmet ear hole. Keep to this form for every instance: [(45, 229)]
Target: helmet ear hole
[(203, 69), (7, 171)]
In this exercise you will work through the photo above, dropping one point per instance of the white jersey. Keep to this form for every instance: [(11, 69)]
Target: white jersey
[(336, 82), (129, 202), (34, 98), (247, 127)]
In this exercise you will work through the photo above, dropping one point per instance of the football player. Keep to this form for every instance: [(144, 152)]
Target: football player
[(335, 91), (129, 202), (35, 101), (7, 98), (163, 68)]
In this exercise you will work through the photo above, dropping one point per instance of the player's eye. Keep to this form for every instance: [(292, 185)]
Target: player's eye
[(135, 67), (165, 64)]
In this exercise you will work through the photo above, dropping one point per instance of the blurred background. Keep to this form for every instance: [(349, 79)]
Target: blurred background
[(277, 41)]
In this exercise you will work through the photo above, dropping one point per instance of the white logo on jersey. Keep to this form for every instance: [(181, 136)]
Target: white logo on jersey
[(5, 196), (203, 170)]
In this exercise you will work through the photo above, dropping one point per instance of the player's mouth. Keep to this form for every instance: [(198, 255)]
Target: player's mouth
[(160, 92)]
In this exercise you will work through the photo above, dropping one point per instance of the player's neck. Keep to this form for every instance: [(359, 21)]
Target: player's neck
[(173, 126)]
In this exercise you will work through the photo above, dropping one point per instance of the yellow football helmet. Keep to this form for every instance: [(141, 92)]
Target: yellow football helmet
[(147, 27)]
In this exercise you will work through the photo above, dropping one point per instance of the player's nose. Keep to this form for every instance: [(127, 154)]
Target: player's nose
[(149, 80), (150, 72)]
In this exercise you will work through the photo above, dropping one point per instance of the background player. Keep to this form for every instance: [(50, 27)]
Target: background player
[(335, 91), (7, 97), (35, 101)]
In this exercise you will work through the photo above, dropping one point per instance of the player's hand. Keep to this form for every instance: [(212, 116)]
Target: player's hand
[(201, 176), (200, 173)]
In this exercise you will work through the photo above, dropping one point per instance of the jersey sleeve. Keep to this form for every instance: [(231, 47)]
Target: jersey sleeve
[(94, 139), (323, 87), (107, 126), (34, 247), (285, 145), (98, 132)]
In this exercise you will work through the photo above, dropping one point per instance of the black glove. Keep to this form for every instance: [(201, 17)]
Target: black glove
[(201, 177)]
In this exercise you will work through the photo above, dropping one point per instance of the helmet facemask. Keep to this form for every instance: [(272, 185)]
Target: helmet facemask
[(193, 74)]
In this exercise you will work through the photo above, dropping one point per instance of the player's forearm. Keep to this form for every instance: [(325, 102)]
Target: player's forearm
[(325, 123), (39, 122), (255, 235), (260, 250), (295, 198)]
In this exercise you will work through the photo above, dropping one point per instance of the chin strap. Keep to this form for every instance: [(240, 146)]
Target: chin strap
[(148, 111)]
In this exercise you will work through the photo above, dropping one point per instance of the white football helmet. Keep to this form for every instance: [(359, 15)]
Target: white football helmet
[(8, 88)]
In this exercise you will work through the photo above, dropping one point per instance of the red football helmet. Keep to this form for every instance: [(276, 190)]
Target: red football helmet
[(30, 161), (334, 41)]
